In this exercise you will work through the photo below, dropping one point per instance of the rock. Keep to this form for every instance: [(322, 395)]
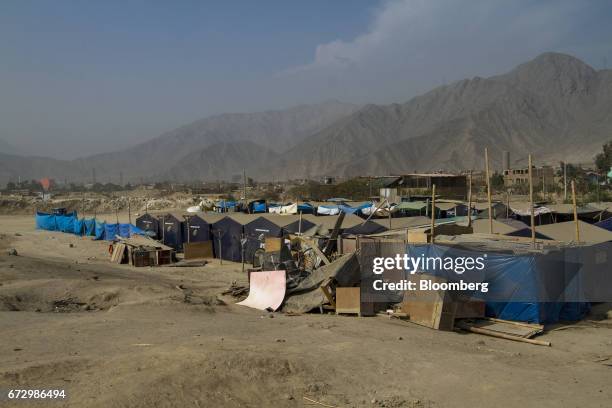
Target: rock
[(17, 234), (400, 338), (280, 340), (13, 252), (71, 245)]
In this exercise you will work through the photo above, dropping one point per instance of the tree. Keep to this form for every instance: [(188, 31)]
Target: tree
[(603, 160)]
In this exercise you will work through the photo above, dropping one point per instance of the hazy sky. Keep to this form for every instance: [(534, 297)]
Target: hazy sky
[(81, 77)]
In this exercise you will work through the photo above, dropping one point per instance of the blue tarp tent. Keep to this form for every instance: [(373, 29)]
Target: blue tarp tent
[(90, 226), (45, 221), (305, 208), (605, 224), (110, 230), (124, 230), (79, 227), (65, 223), (353, 210), (99, 230), (539, 288), (134, 230), (259, 207)]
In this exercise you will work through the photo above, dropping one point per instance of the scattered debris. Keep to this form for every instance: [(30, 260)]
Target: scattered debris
[(13, 252), (504, 329)]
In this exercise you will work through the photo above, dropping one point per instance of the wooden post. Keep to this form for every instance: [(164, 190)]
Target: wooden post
[(564, 181), (129, 210), (489, 190), (575, 211), (533, 233), (507, 204), (470, 199), (300, 225), (433, 212)]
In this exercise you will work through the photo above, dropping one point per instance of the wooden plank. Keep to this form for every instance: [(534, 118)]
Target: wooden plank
[(273, 244), (321, 255), (348, 300), (198, 250), (326, 289), (433, 309)]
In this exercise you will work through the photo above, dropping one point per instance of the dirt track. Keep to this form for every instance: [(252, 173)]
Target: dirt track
[(115, 336)]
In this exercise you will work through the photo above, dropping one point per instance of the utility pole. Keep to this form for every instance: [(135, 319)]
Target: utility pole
[(564, 181), (244, 193), (575, 211), (533, 232), (433, 213), (489, 190), (470, 199)]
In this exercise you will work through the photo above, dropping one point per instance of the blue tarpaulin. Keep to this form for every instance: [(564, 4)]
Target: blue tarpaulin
[(259, 207), (124, 230), (110, 230), (65, 223), (90, 226), (305, 208), (605, 224), (353, 210), (539, 288), (99, 230), (79, 227), (45, 221)]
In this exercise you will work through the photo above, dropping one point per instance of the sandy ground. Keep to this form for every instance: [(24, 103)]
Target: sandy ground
[(116, 336)]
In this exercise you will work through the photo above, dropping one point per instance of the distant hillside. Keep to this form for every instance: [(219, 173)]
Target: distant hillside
[(160, 157), (275, 130), (222, 161), (13, 167), (554, 106)]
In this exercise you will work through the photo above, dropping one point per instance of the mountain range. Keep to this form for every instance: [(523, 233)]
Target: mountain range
[(554, 106)]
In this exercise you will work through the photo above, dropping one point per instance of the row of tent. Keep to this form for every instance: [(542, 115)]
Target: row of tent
[(71, 224), (363, 209), (229, 232)]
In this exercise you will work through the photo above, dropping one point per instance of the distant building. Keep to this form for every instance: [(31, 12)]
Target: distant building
[(544, 175), (402, 188)]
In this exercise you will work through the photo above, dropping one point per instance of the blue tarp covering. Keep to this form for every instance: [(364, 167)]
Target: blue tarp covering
[(539, 288), (110, 230), (134, 230), (45, 221), (79, 227), (305, 208), (259, 207), (605, 224), (353, 210), (65, 223), (90, 226), (99, 230), (124, 230)]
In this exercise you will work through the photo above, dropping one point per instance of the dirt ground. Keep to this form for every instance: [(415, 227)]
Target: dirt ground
[(116, 336)]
